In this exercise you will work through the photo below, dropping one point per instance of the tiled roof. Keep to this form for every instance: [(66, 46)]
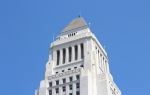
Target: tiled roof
[(76, 23)]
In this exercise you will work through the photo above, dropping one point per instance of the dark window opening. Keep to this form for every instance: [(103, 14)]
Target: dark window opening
[(57, 90), (58, 57), (77, 93), (50, 84), (64, 55), (70, 87), (77, 77), (70, 78), (64, 80), (64, 88), (77, 85), (81, 66), (70, 54), (57, 82), (76, 52), (82, 51), (50, 92)]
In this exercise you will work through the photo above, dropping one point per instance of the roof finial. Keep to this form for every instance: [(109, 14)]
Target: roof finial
[(79, 14)]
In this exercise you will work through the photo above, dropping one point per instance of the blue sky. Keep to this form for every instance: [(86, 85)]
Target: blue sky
[(27, 28)]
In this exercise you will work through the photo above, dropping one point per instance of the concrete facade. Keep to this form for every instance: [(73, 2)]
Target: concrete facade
[(77, 65)]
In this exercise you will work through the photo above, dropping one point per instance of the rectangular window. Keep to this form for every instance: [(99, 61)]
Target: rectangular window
[(70, 78), (70, 54), (50, 84), (81, 66), (82, 51), (70, 93), (64, 55), (56, 72), (76, 52), (77, 77), (64, 80), (57, 82), (78, 93), (50, 92), (77, 85), (70, 87), (58, 57), (57, 90), (64, 88)]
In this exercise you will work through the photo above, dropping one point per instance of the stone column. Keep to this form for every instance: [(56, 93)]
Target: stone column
[(53, 92), (106, 63), (67, 89), (67, 55), (101, 62), (55, 57), (61, 57), (74, 88), (60, 90), (79, 52), (60, 87), (73, 53)]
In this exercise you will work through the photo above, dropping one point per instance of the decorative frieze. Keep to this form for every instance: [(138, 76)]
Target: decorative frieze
[(64, 74)]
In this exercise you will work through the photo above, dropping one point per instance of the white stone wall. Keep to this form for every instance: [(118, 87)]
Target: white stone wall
[(95, 77)]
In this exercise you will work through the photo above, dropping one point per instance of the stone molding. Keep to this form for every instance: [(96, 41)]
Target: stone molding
[(64, 74)]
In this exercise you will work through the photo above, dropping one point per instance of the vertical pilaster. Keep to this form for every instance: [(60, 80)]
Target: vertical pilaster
[(79, 52), (55, 57), (104, 64), (73, 53), (53, 91), (74, 88), (60, 91), (67, 55), (101, 64), (107, 66), (61, 57), (67, 89)]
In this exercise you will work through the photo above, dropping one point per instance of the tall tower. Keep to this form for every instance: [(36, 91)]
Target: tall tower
[(77, 65)]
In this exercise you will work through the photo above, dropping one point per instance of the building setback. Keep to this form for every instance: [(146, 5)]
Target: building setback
[(77, 64)]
